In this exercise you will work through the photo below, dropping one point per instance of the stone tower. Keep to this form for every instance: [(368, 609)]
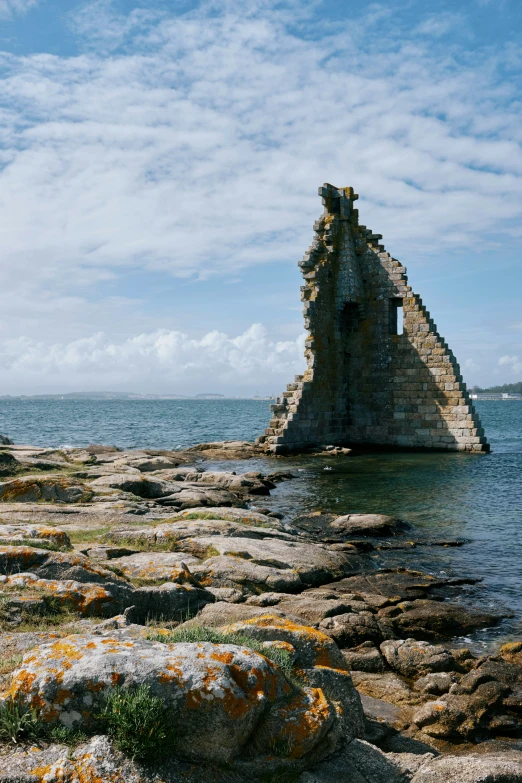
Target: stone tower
[(370, 380)]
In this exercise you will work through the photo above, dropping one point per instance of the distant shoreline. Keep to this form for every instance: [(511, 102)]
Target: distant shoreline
[(127, 397)]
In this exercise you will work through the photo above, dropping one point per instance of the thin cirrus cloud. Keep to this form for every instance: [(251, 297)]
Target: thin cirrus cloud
[(192, 145), (10, 8), (172, 357)]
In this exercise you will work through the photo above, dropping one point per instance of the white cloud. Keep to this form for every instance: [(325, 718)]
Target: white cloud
[(471, 365), (513, 362), (172, 359), (440, 24), (104, 28), (200, 148), (10, 8), (196, 146)]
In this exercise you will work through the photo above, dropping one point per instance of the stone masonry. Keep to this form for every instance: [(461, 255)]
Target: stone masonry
[(365, 383)]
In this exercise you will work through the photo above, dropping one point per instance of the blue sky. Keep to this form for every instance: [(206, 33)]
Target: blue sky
[(159, 165)]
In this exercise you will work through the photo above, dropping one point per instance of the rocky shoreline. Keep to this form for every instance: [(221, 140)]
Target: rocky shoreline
[(281, 649)]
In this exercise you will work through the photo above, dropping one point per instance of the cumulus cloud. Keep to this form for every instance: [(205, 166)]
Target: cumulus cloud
[(191, 145), (513, 362), (170, 359)]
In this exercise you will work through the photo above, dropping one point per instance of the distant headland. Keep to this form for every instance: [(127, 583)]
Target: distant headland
[(108, 395)]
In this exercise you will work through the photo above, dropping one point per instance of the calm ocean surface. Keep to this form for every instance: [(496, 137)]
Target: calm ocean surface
[(478, 498)]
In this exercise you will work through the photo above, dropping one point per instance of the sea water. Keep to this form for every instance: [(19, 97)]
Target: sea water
[(473, 497)]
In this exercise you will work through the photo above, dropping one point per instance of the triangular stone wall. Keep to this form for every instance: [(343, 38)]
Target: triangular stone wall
[(365, 384)]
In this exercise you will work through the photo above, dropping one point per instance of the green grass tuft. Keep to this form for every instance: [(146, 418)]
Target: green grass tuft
[(18, 722), (89, 536), (49, 615), (8, 663), (138, 722), (200, 633), (64, 736)]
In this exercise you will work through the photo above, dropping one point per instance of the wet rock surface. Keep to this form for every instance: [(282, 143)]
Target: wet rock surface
[(315, 657)]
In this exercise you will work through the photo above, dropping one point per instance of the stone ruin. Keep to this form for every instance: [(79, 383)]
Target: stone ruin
[(370, 379)]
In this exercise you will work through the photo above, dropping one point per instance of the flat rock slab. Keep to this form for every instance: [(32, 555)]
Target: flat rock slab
[(12, 534), (308, 562), (223, 613), (88, 599), (365, 658), (190, 528), (146, 464), (242, 574), (155, 565), (235, 449), (367, 525), (352, 629), (243, 483), (380, 710), (313, 610), (195, 497), (169, 601), (134, 483), (472, 768), (54, 565), (399, 584), (31, 489), (387, 687), (425, 619), (243, 516)]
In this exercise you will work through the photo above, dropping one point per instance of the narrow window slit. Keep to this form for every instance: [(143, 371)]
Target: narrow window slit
[(396, 316)]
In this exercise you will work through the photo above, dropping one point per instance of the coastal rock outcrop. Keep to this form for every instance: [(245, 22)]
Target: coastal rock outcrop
[(223, 700), (34, 488), (367, 525), (34, 534), (352, 671), (472, 768), (414, 659), (312, 647)]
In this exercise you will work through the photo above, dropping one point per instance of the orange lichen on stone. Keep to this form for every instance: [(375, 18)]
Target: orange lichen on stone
[(304, 721), (62, 695), (320, 648), (96, 687), (21, 682), (272, 621), (64, 649), (512, 652), (220, 692), (41, 772)]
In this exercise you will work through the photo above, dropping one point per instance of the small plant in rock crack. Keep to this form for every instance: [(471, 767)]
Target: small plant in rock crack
[(18, 722), (138, 722), (65, 736)]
